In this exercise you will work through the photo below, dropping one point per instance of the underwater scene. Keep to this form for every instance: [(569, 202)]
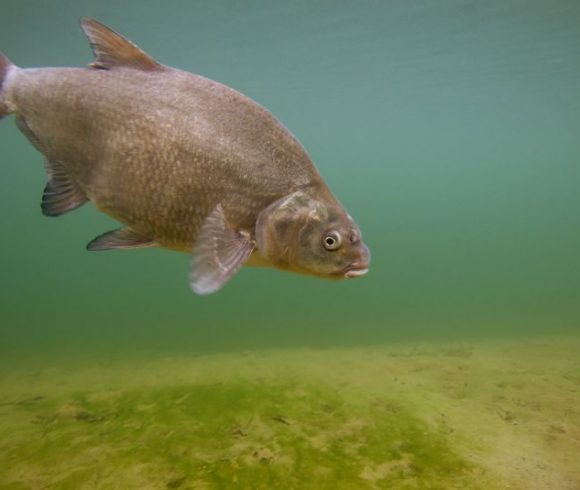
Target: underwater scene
[(448, 129)]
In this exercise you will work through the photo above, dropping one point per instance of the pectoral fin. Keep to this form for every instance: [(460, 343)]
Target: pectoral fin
[(218, 253), (121, 239)]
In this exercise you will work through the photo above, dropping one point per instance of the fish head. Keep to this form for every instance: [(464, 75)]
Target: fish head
[(312, 234)]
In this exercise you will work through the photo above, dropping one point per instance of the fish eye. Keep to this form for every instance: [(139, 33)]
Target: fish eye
[(332, 240)]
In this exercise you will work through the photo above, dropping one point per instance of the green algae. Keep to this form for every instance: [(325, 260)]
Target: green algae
[(236, 435), (407, 417)]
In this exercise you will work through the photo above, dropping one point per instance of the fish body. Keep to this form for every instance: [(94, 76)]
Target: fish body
[(182, 161)]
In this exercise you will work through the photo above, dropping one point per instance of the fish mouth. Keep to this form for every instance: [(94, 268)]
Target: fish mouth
[(355, 271)]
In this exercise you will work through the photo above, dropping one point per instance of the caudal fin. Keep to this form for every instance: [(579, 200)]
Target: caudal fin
[(4, 66)]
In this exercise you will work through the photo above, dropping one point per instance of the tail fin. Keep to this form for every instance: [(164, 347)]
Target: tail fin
[(4, 66)]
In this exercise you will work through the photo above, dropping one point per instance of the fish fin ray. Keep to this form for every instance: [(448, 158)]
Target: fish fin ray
[(121, 239), (112, 49), (60, 197), (218, 253), (61, 194)]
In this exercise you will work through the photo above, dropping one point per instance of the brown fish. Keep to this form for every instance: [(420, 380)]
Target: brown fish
[(183, 162)]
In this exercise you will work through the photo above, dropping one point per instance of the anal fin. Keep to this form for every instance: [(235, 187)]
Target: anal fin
[(61, 194), (121, 239)]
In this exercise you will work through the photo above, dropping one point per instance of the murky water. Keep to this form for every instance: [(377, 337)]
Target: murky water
[(450, 131)]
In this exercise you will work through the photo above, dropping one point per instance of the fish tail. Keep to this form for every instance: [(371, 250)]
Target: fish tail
[(5, 65)]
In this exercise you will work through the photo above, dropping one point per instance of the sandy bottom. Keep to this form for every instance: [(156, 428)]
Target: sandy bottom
[(460, 416)]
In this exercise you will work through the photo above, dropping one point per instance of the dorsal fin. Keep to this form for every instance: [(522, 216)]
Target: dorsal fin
[(112, 49)]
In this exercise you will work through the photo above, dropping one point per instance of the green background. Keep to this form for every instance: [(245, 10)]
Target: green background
[(449, 130)]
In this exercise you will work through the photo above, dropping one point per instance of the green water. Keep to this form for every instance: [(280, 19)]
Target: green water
[(449, 130)]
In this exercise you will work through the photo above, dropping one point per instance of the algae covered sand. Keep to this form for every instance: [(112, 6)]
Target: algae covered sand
[(493, 415)]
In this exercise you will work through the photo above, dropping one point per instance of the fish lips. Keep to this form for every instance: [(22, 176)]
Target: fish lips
[(360, 265), (355, 270)]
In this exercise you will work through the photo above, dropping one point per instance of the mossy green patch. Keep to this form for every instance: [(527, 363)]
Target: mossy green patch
[(230, 435), (486, 416)]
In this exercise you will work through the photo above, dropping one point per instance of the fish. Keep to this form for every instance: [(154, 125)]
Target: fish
[(182, 162)]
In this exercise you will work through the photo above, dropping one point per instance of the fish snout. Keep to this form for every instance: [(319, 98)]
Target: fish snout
[(361, 265)]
